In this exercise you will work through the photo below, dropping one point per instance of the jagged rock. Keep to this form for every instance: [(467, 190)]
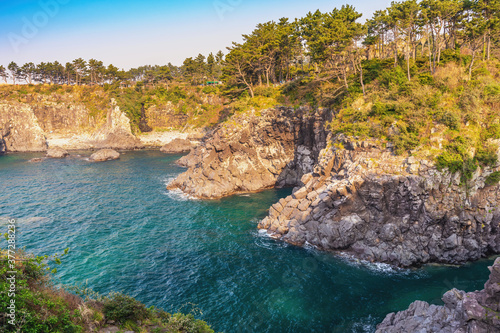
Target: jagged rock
[(20, 129), (56, 152), (104, 155), (116, 132), (477, 311), (365, 201), (177, 146), (35, 160), (252, 152)]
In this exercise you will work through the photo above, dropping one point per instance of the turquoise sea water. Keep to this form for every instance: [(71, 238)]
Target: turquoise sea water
[(127, 233)]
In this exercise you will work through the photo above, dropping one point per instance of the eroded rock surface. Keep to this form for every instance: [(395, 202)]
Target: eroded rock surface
[(252, 152), (363, 200), (477, 311)]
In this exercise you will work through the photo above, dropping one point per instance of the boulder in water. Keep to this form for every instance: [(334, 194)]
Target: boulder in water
[(104, 155), (56, 152)]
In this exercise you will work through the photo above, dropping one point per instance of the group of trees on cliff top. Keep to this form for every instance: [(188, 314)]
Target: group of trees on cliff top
[(332, 43), (93, 72), (337, 44)]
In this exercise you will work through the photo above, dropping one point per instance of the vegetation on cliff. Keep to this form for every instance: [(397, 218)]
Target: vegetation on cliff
[(40, 306)]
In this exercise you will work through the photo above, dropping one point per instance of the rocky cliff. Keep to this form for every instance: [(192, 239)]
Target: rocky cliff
[(165, 116), (254, 151), (35, 126), (477, 312), (20, 129), (363, 200), (116, 132)]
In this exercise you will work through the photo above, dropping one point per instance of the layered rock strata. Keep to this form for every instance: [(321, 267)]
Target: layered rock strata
[(363, 200), (254, 151), (477, 311)]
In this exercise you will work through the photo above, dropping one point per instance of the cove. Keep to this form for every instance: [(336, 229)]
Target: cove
[(127, 233)]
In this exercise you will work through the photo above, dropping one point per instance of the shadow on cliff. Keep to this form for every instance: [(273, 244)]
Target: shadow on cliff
[(310, 137)]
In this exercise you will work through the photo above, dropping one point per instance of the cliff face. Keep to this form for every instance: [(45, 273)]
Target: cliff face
[(165, 116), (63, 117), (35, 117), (253, 152), (462, 312), (364, 201), (31, 127), (20, 129)]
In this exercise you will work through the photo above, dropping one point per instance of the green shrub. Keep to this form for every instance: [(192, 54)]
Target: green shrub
[(493, 131), (396, 76), (426, 78), (404, 142), (487, 155), (453, 161), (210, 90), (40, 307), (450, 55), (188, 324), (492, 90), (122, 308), (493, 178), (379, 109), (450, 119), (264, 91)]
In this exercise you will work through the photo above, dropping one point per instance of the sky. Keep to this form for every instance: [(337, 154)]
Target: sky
[(132, 33)]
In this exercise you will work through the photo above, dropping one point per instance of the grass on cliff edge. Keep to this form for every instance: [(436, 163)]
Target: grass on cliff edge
[(42, 307)]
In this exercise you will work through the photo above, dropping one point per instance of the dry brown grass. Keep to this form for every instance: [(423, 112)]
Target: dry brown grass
[(450, 75)]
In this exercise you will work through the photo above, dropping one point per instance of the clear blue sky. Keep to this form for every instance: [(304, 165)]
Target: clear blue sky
[(130, 33)]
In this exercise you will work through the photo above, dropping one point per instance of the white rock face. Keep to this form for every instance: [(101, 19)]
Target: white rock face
[(20, 129)]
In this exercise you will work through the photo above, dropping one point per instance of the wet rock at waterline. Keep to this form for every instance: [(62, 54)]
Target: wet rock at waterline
[(254, 151), (364, 200), (477, 311)]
